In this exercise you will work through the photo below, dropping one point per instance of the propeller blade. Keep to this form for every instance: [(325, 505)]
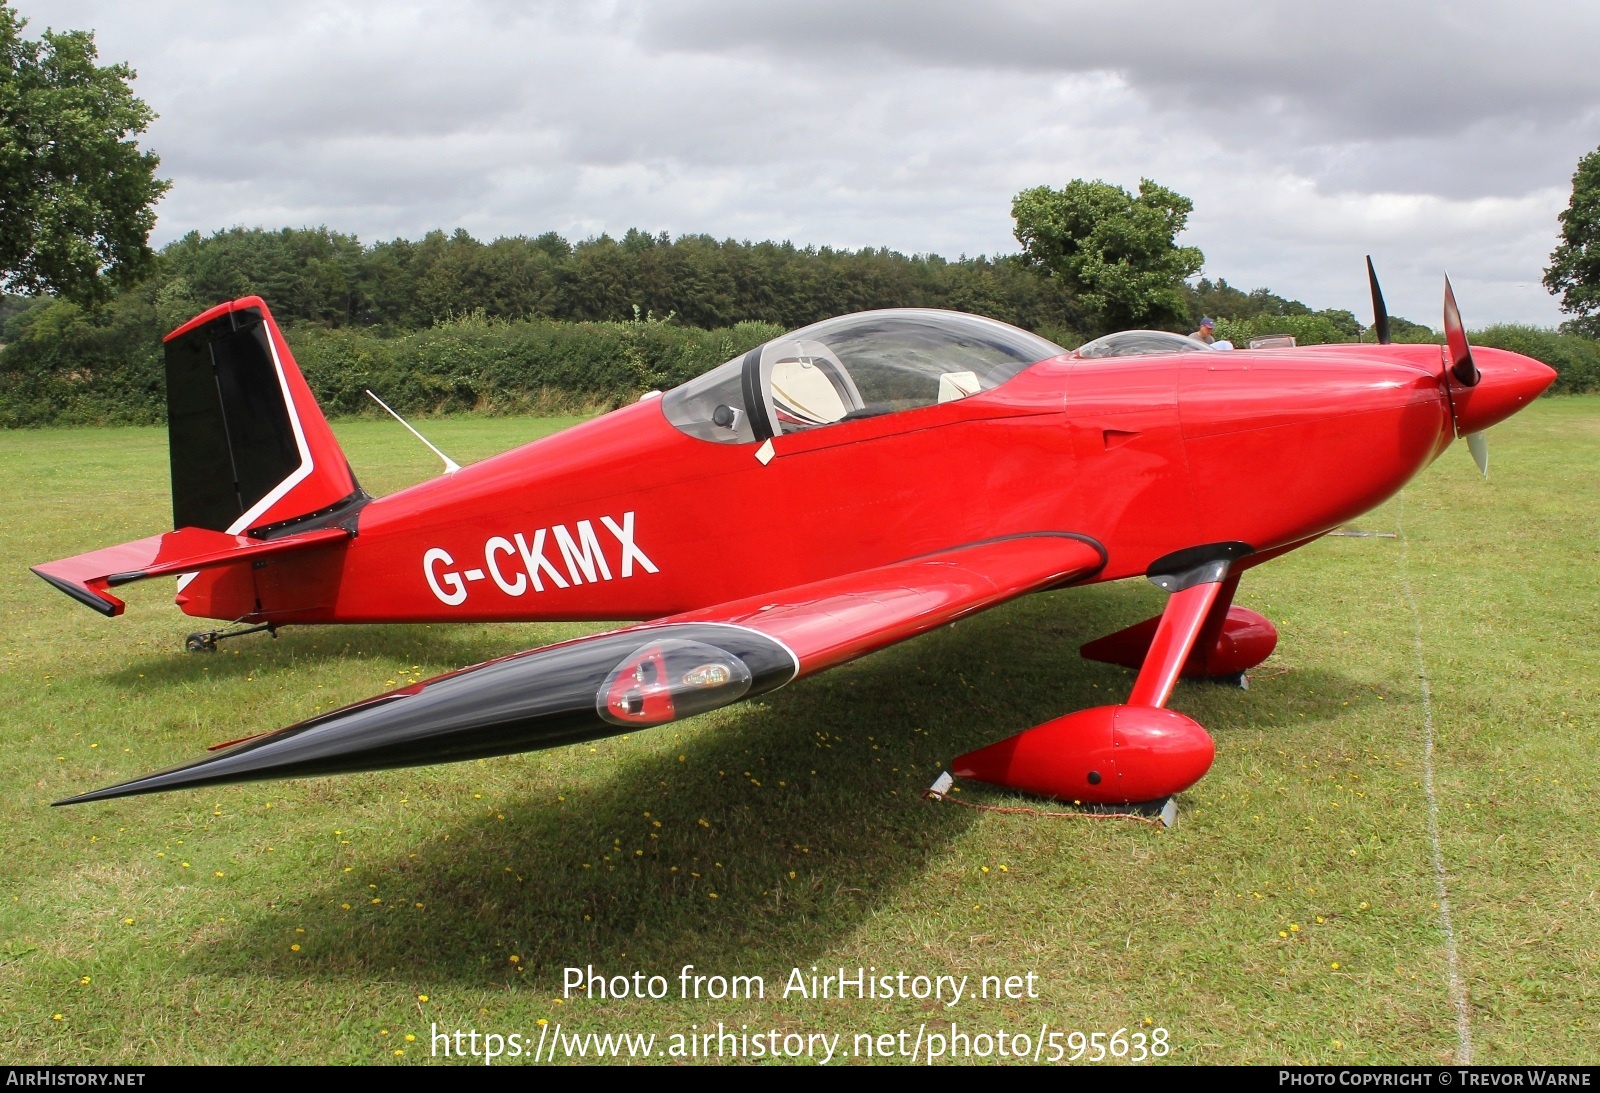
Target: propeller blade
[(1380, 314), (1455, 336), (1478, 445)]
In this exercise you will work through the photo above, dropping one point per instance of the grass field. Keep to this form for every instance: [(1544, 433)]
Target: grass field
[(1293, 914)]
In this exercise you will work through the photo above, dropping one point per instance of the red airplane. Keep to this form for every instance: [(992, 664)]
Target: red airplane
[(827, 494)]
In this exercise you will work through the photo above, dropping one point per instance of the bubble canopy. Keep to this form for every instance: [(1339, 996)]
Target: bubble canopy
[(854, 366), (1140, 343)]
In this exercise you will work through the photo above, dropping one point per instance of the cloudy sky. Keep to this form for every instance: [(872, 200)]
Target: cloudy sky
[(1434, 136)]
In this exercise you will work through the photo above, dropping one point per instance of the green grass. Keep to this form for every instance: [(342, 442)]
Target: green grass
[(161, 929)]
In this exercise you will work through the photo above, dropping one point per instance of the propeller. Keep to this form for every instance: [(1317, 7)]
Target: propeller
[(1380, 314), (1464, 370), (1478, 445), (1461, 364), (1455, 336)]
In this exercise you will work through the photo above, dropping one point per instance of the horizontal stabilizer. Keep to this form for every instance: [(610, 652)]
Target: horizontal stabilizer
[(85, 577)]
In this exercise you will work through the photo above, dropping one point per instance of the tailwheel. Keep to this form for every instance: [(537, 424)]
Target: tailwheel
[(201, 641), (205, 641)]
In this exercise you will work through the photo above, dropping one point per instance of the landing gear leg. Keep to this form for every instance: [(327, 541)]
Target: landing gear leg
[(1118, 755), (1232, 640), (1181, 626)]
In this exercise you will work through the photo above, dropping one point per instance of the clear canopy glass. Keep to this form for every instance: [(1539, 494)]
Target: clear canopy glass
[(855, 366), (1140, 343)]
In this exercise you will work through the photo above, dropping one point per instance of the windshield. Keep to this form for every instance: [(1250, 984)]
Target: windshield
[(1139, 343), (855, 366)]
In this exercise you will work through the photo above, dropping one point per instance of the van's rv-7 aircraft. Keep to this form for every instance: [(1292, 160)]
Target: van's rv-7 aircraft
[(829, 493)]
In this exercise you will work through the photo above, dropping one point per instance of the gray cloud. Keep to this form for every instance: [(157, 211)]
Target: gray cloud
[(1306, 134), (1361, 68), (1425, 88)]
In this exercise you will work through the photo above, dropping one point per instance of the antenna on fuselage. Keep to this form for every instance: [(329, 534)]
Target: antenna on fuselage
[(450, 465)]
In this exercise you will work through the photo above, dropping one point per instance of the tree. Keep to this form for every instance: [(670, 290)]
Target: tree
[(1575, 263), (77, 195), (1115, 250)]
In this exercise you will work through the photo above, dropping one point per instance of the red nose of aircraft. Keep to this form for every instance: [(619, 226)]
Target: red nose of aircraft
[(1509, 381)]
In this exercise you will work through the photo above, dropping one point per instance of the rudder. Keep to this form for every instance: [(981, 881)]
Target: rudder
[(250, 450)]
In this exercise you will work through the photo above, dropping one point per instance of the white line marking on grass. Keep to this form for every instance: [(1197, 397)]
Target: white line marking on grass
[(1457, 989)]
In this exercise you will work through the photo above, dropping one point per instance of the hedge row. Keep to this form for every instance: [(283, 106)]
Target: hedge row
[(1575, 358), (512, 367), (91, 375), (66, 369)]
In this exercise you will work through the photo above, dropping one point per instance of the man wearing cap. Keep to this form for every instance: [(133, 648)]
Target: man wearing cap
[(1206, 332)]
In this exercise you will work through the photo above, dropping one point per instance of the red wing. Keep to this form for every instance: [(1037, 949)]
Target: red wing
[(645, 675), (839, 619)]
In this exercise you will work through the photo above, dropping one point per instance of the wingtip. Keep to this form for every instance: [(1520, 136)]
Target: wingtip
[(229, 766), (104, 794), (150, 783)]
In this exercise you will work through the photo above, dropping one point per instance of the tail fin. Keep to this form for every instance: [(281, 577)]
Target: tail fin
[(251, 452)]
